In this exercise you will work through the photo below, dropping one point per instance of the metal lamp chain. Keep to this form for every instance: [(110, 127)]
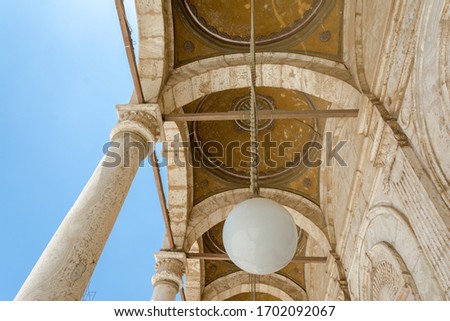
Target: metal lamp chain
[(254, 186), (253, 128)]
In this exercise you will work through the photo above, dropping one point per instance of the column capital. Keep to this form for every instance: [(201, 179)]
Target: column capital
[(144, 120), (170, 267)]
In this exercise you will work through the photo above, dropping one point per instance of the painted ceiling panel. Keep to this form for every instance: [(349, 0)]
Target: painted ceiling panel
[(204, 29)]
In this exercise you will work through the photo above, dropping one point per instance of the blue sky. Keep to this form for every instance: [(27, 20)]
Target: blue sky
[(63, 69)]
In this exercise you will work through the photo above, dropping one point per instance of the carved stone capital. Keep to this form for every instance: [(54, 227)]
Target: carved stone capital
[(170, 267), (144, 120)]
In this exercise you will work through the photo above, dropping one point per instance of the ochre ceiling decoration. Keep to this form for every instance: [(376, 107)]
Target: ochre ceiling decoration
[(282, 18), (220, 149), (205, 29)]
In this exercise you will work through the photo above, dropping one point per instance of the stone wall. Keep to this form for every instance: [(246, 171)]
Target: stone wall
[(388, 209)]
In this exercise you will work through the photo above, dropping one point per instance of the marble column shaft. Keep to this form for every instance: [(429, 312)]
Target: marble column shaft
[(65, 267)]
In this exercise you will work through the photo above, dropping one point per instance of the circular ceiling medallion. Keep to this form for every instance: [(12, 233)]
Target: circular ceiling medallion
[(189, 46), (325, 36), (229, 20), (285, 145), (262, 103)]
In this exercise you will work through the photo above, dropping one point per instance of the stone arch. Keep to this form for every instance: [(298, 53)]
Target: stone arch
[(154, 29), (386, 225), (216, 208), (180, 180), (317, 64), (239, 282), (183, 88)]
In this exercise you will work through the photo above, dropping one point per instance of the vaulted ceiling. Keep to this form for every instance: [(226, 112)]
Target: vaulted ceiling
[(211, 28), (205, 29)]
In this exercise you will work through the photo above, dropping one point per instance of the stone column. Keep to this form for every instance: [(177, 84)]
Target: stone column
[(167, 281), (66, 265)]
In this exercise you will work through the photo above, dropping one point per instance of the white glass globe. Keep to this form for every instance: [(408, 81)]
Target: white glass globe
[(260, 236)]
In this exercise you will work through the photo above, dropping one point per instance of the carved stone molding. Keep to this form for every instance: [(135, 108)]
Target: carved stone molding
[(342, 279), (383, 151), (386, 282), (430, 224), (145, 120), (387, 277), (387, 234), (170, 267)]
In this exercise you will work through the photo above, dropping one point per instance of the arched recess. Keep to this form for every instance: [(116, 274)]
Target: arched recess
[(374, 25), (432, 88), (385, 37), (216, 208), (181, 89), (386, 236), (239, 282)]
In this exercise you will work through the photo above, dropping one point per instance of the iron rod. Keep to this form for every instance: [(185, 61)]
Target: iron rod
[(262, 114), (224, 257)]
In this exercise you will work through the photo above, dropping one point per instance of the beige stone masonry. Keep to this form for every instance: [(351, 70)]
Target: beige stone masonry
[(182, 89), (239, 282)]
